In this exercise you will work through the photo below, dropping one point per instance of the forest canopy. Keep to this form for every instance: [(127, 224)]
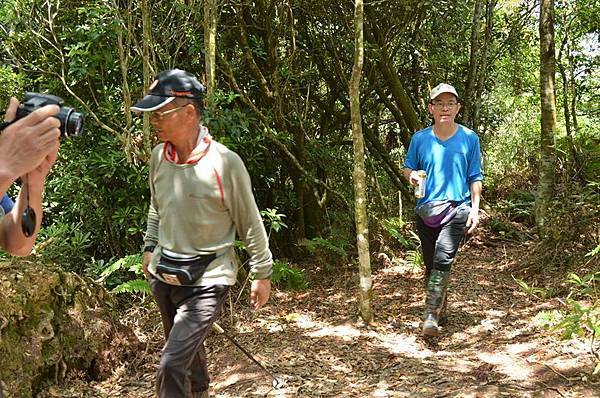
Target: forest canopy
[(281, 100)]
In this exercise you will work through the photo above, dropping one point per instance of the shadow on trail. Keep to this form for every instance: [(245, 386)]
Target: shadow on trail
[(489, 347), (313, 340)]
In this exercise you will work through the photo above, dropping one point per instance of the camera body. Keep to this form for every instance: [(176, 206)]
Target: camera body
[(71, 122)]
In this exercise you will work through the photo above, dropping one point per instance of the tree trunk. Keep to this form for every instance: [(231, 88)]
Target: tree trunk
[(568, 90), (393, 170), (146, 70), (483, 65), (210, 45), (473, 64), (360, 200), (566, 105), (124, 59), (401, 98), (548, 117)]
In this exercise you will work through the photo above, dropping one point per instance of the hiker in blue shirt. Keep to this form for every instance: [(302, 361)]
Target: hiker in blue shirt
[(450, 156), (28, 149)]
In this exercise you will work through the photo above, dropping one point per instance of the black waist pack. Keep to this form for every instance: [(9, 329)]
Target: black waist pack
[(183, 271)]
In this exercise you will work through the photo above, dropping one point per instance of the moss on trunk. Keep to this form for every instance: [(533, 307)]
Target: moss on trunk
[(53, 322)]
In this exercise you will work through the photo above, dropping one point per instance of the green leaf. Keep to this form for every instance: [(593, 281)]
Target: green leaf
[(134, 286)]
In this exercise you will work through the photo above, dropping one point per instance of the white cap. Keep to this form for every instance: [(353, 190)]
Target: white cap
[(442, 88)]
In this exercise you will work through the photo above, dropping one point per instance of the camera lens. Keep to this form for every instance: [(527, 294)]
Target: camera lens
[(71, 122)]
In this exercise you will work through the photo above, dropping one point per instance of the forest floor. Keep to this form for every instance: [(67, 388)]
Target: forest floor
[(492, 345)]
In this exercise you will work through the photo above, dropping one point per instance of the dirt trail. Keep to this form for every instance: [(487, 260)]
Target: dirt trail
[(314, 342)]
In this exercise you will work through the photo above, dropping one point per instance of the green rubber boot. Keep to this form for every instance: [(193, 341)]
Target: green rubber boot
[(436, 302)]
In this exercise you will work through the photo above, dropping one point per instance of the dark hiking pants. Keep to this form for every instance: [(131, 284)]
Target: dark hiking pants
[(187, 314), (439, 245)]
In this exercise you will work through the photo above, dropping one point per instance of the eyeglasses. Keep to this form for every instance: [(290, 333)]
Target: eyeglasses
[(442, 105), (161, 115)]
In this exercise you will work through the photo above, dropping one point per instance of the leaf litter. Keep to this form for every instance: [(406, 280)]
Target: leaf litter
[(315, 343)]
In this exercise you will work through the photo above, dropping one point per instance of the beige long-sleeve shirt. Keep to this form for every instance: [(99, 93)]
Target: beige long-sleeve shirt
[(197, 209)]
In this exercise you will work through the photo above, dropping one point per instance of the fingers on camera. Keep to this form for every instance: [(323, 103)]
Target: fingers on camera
[(11, 111), (43, 114)]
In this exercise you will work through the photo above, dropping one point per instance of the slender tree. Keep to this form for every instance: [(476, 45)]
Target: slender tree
[(548, 116), (568, 84), (210, 44), (360, 200), (146, 66), (473, 64)]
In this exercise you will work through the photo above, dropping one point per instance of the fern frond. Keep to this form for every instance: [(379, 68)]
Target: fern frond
[(134, 286)]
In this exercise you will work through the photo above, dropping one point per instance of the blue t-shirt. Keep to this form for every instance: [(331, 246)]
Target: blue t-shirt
[(6, 203), (451, 165)]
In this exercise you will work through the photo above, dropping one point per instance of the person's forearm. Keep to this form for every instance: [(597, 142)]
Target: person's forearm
[(6, 179), (475, 189), (151, 236), (13, 238)]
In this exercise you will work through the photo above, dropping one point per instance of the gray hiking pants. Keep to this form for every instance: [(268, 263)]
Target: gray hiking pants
[(187, 314), (440, 244)]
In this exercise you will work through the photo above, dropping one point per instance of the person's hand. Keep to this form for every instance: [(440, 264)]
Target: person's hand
[(30, 142), (37, 177), (146, 258), (472, 220), (259, 292), (413, 179)]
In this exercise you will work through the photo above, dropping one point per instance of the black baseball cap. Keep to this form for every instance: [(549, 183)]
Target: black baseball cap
[(168, 85)]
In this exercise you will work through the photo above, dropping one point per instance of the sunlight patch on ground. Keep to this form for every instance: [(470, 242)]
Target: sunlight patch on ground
[(485, 327), (405, 344), (393, 295), (345, 332), (395, 269), (513, 367), (399, 267), (458, 365), (230, 380), (382, 390), (516, 332), (495, 314), (520, 348)]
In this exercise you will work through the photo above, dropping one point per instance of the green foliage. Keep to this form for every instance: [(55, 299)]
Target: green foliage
[(97, 203), (97, 197), (578, 207), (230, 124), (66, 244), (518, 206), (580, 320), (117, 275), (400, 230), (329, 246), (288, 276), (503, 228), (586, 286), (11, 84), (512, 214), (133, 286), (594, 252), (415, 259), (581, 316), (539, 293), (273, 219), (547, 319)]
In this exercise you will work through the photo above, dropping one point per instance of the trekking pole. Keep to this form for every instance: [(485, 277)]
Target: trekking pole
[(277, 382)]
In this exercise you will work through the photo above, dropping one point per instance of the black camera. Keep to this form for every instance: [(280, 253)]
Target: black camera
[(71, 122)]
